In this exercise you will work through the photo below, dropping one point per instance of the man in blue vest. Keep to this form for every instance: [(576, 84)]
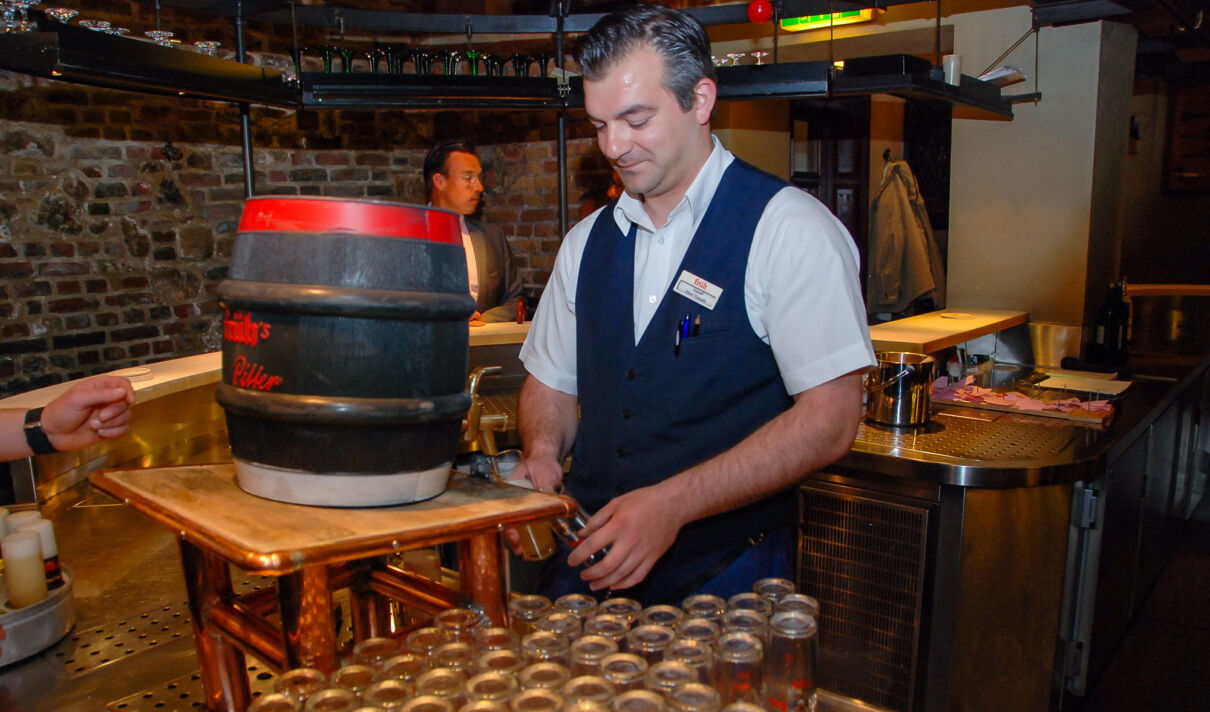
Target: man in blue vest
[(700, 344)]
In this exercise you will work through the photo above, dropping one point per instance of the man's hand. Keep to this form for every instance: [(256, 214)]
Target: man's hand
[(544, 475), (90, 411), (477, 319), (641, 525), (638, 527)]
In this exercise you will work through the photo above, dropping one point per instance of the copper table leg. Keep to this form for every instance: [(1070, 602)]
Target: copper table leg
[(224, 673), (309, 628), (481, 565), (370, 611)]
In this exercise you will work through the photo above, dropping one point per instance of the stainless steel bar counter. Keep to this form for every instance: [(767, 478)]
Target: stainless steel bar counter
[(990, 560)]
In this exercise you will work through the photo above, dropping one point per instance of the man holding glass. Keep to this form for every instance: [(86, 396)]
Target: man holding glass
[(700, 343)]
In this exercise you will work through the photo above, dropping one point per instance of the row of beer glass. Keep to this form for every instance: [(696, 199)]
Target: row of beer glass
[(754, 651)]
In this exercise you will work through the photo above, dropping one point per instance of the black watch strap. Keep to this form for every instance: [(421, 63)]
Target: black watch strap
[(34, 435)]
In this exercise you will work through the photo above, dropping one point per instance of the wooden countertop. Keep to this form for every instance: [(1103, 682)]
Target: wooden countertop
[(929, 333)]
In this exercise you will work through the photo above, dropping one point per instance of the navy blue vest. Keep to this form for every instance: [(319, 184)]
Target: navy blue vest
[(651, 410)]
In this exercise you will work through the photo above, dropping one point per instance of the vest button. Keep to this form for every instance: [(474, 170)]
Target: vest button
[(632, 374), (622, 452), (626, 413)]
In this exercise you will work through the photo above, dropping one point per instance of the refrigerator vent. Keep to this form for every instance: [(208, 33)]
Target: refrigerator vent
[(863, 559)]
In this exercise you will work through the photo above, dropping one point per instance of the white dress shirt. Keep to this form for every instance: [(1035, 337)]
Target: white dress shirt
[(472, 268), (801, 287)]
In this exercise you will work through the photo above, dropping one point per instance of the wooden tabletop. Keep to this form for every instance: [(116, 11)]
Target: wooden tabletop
[(929, 333), (206, 507)]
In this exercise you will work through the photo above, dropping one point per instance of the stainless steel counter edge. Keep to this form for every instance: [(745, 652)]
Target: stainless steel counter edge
[(1137, 409)]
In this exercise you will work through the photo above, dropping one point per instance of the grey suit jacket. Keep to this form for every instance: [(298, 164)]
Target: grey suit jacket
[(499, 280)]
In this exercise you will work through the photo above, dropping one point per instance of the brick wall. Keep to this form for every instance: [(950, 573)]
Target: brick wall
[(118, 211)]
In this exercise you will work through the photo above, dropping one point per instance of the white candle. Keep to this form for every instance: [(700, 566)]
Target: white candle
[(24, 574), (50, 549)]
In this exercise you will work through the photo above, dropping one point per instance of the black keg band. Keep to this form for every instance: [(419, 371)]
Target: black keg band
[(328, 300), (35, 437), (341, 410)]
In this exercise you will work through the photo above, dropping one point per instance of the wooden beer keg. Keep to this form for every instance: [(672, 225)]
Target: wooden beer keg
[(345, 348)]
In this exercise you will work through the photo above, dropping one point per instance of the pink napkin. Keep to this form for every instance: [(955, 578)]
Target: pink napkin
[(964, 390)]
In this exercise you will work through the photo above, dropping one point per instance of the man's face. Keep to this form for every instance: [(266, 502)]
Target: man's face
[(458, 186), (654, 145)]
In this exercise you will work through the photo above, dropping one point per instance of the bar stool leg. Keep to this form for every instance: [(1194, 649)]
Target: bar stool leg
[(224, 672), (481, 566), (309, 628)]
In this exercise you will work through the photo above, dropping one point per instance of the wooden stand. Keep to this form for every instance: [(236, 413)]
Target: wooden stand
[(314, 551)]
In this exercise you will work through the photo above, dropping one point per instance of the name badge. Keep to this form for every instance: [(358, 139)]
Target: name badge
[(698, 290)]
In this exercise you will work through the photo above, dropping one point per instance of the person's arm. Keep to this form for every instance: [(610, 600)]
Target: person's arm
[(88, 412), (640, 526), (547, 420)]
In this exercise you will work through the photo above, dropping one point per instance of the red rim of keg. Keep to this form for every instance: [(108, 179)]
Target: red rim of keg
[(315, 214)]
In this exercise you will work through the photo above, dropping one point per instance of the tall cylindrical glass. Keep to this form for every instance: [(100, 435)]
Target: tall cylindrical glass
[(738, 672), (789, 672)]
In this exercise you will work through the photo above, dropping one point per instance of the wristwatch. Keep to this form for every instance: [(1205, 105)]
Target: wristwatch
[(35, 437)]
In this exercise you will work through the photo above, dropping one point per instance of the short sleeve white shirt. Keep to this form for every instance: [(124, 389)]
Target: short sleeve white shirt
[(801, 287)]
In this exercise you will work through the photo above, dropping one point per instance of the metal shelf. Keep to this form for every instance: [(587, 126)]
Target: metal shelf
[(383, 91), (75, 54)]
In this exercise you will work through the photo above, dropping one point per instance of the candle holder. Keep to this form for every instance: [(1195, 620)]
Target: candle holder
[(208, 47), (521, 64), (543, 64), (735, 57), (760, 55)]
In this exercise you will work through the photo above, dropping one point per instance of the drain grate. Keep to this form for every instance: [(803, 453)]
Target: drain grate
[(991, 440), (187, 693), (85, 651)]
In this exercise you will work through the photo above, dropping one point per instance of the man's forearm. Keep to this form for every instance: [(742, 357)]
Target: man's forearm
[(817, 430), (547, 420)]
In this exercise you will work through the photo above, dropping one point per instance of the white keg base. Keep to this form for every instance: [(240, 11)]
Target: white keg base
[(340, 490)]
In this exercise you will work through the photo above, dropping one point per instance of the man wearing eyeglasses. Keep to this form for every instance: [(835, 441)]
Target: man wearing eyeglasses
[(453, 177)]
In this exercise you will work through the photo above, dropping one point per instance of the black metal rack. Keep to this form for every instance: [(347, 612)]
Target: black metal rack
[(75, 54)]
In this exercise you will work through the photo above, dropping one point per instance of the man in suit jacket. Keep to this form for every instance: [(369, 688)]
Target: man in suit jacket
[(454, 178)]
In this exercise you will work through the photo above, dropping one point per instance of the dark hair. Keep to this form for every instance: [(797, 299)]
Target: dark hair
[(434, 162), (677, 36)]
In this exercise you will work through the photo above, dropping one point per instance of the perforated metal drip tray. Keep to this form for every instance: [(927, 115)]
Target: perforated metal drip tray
[(983, 438), (979, 448)]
